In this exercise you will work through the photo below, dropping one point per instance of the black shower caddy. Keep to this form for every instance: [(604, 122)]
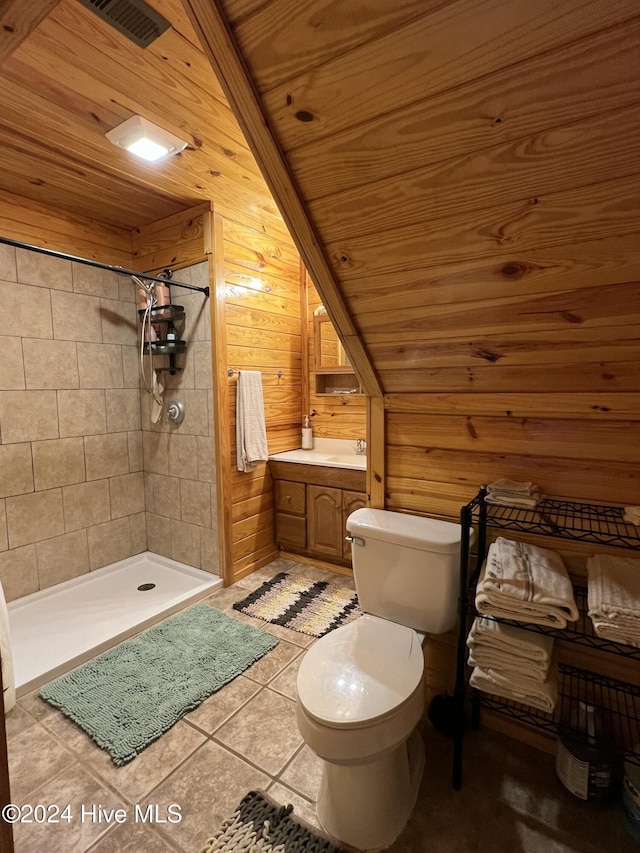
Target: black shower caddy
[(570, 520)]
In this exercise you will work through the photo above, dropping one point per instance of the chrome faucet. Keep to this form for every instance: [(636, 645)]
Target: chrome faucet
[(361, 446)]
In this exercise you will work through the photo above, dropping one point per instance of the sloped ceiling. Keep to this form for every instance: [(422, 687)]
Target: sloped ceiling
[(464, 173)]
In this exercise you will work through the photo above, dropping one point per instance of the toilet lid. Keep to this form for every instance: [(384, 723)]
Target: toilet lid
[(360, 672)]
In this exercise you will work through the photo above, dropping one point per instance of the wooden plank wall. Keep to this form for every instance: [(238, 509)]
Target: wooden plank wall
[(480, 205), (263, 332), (331, 417), (39, 225)]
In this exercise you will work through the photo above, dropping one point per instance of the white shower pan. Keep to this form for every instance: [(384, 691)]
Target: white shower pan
[(59, 628)]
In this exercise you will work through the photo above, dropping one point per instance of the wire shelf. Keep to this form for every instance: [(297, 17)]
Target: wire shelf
[(617, 704), (604, 525)]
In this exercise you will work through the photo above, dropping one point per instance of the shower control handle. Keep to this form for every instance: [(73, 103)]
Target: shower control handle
[(175, 412)]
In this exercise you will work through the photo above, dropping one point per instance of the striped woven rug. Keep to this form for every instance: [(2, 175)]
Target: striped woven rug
[(261, 824), (307, 606)]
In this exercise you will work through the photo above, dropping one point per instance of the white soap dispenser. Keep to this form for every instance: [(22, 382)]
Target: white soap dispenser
[(307, 434)]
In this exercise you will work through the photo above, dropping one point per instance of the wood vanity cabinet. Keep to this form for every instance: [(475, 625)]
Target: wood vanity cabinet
[(312, 506)]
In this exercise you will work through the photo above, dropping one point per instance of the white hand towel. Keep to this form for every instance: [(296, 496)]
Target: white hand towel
[(6, 655), (509, 666), (513, 499), (251, 433), (510, 640), (525, 583), (614, 597), (506, 485), (524, 690), (631, 514)]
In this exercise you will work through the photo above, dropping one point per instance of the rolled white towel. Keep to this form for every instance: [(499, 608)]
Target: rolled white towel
[(524, 690), (525, 583), (510, 640)]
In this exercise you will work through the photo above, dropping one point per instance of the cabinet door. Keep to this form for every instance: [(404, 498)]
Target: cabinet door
[(351, 501), (324, 521)]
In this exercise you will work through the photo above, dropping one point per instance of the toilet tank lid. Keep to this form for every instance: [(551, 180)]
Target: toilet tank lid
[(400, 528)]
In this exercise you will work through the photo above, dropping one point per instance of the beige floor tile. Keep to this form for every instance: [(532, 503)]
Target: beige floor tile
[(285, 683), (302, 808), (132, 837), (84, 796), (208, 788), (303, 773), (215, 710), (35, 756), (264, 731), (18, 720), (273, 662)]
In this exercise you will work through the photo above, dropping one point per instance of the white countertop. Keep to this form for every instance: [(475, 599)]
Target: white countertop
[(331, 452)]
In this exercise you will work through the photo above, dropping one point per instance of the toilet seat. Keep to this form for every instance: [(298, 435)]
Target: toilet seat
[(361, 673)]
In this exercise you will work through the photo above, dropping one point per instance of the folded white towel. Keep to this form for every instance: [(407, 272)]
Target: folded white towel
[(510, 667), (6, 655), (524, 690), (513, 499), (506, 485), (525, 583), (614, 597), (631, 514), (251, 433), (510, 640)]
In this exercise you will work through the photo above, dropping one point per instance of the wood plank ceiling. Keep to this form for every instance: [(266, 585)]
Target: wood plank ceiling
[(66, 78)]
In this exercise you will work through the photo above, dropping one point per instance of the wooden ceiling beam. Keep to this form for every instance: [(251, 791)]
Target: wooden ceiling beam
[(18, 19), (220, 46)]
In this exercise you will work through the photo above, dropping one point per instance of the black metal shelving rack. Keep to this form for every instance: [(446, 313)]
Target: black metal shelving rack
[(590, 523)]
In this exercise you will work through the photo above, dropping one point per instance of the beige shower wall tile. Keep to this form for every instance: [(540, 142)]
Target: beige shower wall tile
[(50, 364), (106, 455), (62, 558), (123, 409), (185, 543), (100, 365), (12, 373), (29, 310), (82, 413), (155, 447), (195, 502), (19, 572), (206, 459), (94, 281), (86, 504), (138, 528), (203, 367), (28, 416), (58, 462), (134, 441), (183, 456), (109, 543), (209, 551), (158, 534), (185, 378), (43, 270), (119, 322), (196, 308), (163, 495), (16, 471), (33, 517), (196, 419), (76, 317), (4, 536), (127, 292), (8, 263), (131, 367), (127, 494)]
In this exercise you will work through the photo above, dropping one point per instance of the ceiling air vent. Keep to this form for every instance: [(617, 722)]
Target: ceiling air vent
[(133, 18)]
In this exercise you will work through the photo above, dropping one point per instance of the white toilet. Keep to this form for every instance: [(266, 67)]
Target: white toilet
[(361, 687)]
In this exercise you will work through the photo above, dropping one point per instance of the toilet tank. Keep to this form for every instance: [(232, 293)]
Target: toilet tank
[(406, 568)]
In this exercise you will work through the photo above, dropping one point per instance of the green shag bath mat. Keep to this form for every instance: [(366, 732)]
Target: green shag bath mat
[(129, 696), (260, 824)]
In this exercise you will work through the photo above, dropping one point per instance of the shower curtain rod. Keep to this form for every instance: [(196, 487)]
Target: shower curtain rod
[(87, 262)]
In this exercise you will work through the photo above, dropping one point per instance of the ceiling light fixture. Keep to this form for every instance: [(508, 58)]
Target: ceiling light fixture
[(145, 139)]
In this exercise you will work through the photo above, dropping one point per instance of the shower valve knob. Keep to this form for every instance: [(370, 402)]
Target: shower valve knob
[(175, 412)]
